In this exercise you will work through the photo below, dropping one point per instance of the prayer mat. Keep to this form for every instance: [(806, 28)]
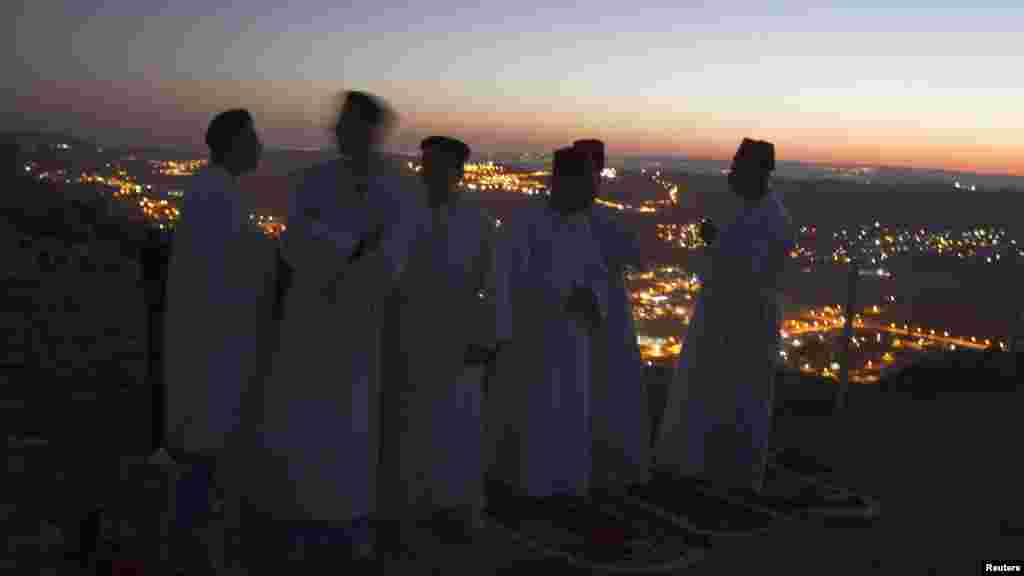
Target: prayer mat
[(687, 503), (786, 496), (598, 535), (820, 494)]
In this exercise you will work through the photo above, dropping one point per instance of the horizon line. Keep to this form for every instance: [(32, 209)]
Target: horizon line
[(630, 156)]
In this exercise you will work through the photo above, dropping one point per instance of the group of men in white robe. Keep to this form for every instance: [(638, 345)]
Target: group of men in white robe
[(364, 402)]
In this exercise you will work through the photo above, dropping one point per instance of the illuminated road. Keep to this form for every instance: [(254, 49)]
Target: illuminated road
[(827, 325)]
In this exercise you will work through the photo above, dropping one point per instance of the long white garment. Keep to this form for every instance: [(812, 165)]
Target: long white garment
[(542, 438), (445, 303), (718, 415), (319, 425), (619, 408), (218, 317)]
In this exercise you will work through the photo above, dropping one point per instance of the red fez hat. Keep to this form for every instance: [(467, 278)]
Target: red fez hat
[(593, 147), (756, 153)]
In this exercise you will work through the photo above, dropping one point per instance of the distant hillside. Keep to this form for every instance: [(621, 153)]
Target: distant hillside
[(830, 205), (45, 139)]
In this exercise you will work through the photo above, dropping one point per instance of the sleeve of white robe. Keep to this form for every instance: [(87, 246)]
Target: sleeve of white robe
[(395, 208), (512, 260), (596, 273), (308, 244), (250, 260), (487, 284)]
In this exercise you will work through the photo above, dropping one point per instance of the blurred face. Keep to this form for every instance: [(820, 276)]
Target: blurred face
[(441, 174), (246, 151), (353, 135)]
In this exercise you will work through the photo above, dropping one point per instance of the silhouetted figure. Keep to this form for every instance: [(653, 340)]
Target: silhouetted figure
[(619, 410), (718, 414), (447, 330), (319, 427), (556, 299), (219, 294)]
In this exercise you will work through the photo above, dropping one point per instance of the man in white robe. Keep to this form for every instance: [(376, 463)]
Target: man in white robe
[(718, 415), (218, 318), (446, 333), (619, 409), (557, 289), (314, 429)]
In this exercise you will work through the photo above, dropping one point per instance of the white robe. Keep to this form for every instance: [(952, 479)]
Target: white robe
[(619, 408), (318, 432), (445, 303), (539, 413), (718, 414), (218, 317)]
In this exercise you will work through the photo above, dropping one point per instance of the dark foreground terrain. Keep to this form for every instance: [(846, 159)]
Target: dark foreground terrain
[(939, 452)]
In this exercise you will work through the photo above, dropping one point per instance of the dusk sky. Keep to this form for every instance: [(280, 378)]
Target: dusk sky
[(930, 84)]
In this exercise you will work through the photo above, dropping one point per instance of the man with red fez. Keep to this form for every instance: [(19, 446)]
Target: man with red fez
[(618, 403), (555, 301), (446, 331), (719, 408)]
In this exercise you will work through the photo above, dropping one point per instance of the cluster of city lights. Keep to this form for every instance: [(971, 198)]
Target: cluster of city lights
[(671, 188), (808, 342), (663, 292), (875, 243), (488, 176), (681, 235), (178, 167), (160, 212)]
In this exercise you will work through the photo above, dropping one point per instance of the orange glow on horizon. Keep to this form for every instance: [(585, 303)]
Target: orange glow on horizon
[(835, 129)]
